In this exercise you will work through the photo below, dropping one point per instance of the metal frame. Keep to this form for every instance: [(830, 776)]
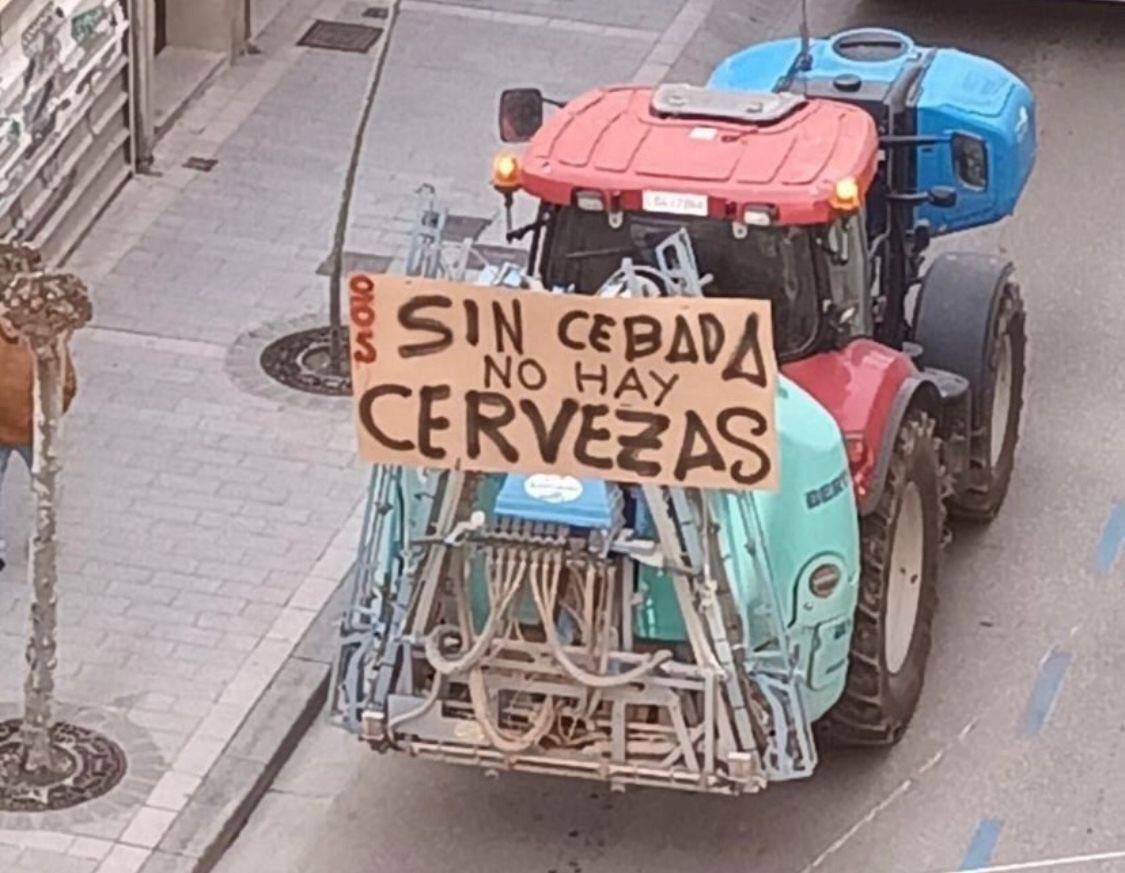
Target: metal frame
[(545, 675)]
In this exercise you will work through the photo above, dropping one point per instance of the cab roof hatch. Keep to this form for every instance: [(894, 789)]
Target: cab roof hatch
[(690, 101)]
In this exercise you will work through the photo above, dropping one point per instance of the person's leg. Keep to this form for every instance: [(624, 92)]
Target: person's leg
[(5, 454), (25, 452)]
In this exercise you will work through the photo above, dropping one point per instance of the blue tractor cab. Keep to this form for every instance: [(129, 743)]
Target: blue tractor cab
[(957, 146), (949, 120)]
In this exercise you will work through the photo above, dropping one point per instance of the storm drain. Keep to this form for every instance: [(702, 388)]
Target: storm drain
[(341, 37)]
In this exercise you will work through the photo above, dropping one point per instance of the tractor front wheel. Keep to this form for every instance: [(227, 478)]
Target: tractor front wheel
[(901, 540), (997, 417)]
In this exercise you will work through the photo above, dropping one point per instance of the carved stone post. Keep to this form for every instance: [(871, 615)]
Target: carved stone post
[(44, 308)]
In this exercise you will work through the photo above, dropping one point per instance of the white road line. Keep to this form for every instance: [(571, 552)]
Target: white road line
[(932, 762), (859, 825), (1068, 861)]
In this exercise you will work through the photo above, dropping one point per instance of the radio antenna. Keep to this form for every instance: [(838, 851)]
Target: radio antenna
[(804, 60)]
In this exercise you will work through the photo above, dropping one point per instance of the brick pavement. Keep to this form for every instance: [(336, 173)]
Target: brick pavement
[(202, 527), (203, 524)]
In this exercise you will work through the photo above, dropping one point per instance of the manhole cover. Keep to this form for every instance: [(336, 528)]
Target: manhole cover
[(89, 765), (303, 361), (340, 36)]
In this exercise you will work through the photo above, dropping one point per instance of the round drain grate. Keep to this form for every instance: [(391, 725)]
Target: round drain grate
[(88, 766), (302, 361)]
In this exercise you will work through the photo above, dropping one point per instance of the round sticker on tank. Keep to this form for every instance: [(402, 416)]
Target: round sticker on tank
[(553, 489)]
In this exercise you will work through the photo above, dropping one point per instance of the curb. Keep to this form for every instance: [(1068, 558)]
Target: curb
[(243, 772), (228, 795), (727, 27)]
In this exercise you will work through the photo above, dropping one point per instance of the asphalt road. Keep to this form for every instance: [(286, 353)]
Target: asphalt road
[(1015, 755)]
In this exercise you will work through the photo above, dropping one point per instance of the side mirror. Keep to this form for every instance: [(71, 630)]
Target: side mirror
[(521, 113), (943, 196), (921, 236)]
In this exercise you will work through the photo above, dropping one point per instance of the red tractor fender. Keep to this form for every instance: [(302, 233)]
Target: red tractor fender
[(868, 389)]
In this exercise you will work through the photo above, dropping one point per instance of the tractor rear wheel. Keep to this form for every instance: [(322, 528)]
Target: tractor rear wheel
[(901, 541), (996, 421)]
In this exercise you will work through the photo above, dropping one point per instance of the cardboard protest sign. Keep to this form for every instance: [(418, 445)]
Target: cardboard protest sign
[(677, 391)]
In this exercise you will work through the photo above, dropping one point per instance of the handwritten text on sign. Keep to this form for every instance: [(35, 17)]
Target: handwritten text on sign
[(673, 390)]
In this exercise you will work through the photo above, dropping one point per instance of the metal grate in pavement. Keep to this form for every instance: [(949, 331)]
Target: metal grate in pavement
[(87, 765), (497, 255), (303, 361), (356, 262), (204, 165), (457, 227), (376, 12), (340, 36)]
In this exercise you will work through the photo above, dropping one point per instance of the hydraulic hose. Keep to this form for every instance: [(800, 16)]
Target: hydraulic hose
[(578, 674), (510, 588), (420, 710), (478, 695)]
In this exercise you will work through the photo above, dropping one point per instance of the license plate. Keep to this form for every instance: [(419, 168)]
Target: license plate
[(675, 203)]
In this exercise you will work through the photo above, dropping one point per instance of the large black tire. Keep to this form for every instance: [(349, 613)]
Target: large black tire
[(992, 455), (880, 695)]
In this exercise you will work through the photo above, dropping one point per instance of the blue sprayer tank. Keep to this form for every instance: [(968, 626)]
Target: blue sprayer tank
[(974, 120)]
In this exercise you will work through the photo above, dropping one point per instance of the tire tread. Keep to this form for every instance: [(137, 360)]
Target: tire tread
[(859, 717)]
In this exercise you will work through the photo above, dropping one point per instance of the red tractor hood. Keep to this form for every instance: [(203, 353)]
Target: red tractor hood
[(610, 140)]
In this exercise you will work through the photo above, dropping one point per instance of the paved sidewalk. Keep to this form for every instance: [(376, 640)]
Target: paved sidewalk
[(205, 525)]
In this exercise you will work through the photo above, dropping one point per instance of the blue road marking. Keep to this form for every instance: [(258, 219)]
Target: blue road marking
[(1113, 537), (1046, 691), (983, 844)]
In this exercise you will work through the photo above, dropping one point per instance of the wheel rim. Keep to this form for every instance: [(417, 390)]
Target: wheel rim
[(1001, 399), (904, 584)]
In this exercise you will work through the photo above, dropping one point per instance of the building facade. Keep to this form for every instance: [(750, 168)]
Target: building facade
[(78, 108)]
